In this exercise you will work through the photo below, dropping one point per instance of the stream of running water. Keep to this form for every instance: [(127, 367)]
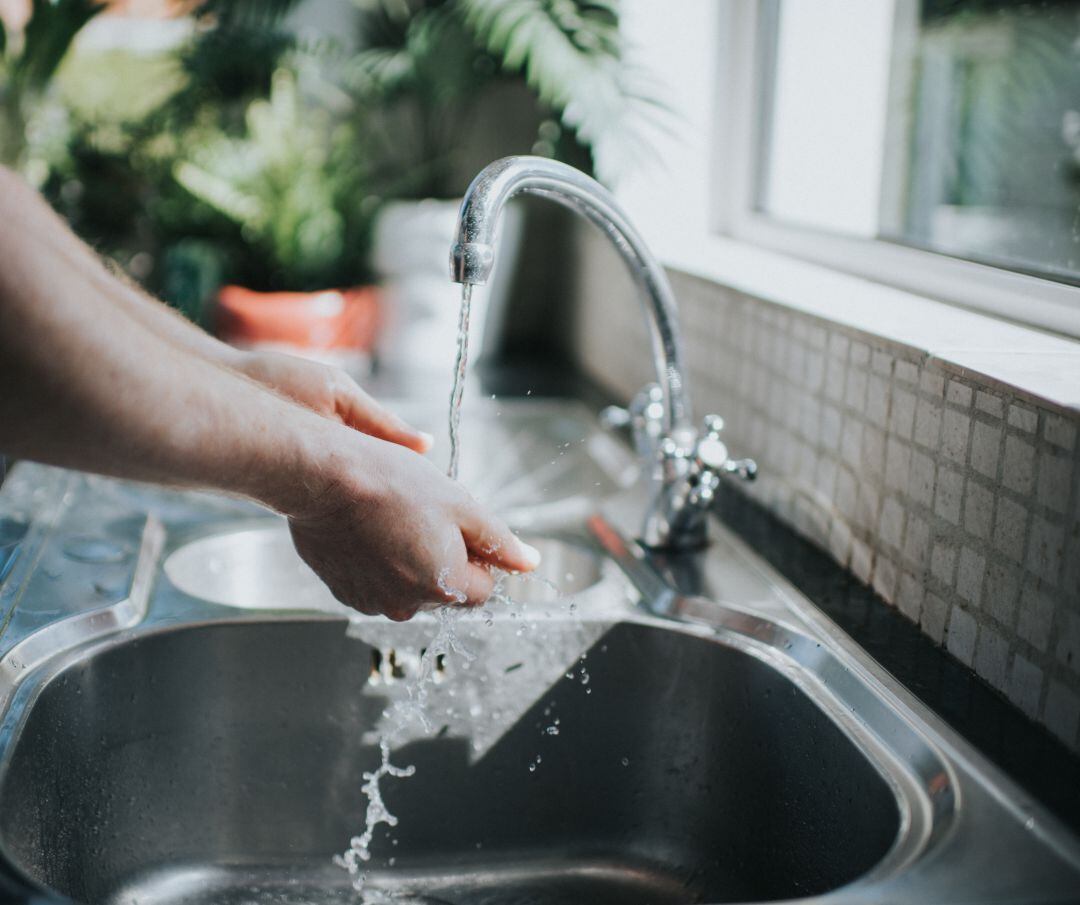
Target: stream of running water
[(412, 710)]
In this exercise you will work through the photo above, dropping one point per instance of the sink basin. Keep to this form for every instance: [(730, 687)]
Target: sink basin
[(258, 568), (222, 763)]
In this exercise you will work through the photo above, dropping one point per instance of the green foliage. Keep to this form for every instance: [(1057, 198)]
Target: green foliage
[(50, 30), (260, 155), (25, 73), (571, 55), (113, 124), (288, 182), (434, 59)]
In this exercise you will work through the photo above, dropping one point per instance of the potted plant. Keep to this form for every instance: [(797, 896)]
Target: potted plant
[(294, 184), (99, 127), (427, 81)]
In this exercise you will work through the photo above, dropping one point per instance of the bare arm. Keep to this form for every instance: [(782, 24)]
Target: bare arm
[(88, 386), (327, 391)]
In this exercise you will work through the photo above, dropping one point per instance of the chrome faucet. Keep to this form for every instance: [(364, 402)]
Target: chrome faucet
[(686, 464)]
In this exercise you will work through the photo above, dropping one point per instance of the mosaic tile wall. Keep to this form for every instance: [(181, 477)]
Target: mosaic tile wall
[(957, 500)]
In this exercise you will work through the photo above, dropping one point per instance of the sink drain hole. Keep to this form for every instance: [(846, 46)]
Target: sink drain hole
[(391, 666)]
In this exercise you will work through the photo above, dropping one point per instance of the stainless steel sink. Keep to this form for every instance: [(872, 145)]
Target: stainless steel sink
[(190, 722), (202, 763)]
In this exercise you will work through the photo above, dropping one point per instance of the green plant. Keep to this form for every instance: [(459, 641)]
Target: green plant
[(571, 54), (425, 66), (27, 66), (260, 156), (293, 183), (113, 123)]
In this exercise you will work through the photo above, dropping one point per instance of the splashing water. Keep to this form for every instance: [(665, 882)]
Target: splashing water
[(413, 709), (459, 379), (400, 716), (360, 846)]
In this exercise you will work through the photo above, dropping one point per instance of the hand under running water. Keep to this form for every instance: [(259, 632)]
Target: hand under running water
[(100, 377), (388, 532)]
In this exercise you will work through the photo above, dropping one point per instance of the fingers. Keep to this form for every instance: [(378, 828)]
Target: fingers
[(359, 411), (471, 587), (489, 540)]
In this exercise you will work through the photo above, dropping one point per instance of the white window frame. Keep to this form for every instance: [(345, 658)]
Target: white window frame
[(1019, 297)]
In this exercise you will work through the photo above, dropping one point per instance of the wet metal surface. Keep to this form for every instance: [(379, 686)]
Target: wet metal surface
[(198, 735), (242, 743)]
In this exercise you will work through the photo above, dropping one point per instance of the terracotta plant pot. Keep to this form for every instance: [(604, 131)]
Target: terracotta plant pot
[(336, 324)]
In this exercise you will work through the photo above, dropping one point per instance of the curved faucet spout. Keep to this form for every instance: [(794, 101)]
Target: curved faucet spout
[(473, 254)]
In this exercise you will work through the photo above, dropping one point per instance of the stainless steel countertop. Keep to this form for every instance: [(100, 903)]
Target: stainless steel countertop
[(88, 572)]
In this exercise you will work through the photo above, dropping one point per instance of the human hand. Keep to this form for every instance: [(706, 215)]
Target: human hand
[(388, 533), (329, 392)]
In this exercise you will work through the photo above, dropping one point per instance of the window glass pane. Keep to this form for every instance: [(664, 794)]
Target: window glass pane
[(830, 88), (951, 125)]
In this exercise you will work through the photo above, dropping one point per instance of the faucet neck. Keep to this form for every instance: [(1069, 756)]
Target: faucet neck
[(473, 253)]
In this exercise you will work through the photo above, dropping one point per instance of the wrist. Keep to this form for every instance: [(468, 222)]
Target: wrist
[(306, 476)]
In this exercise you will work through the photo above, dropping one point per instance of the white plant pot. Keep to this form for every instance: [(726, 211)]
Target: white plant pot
[(421, 304)]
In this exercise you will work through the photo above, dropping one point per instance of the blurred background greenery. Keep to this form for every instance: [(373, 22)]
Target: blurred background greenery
[(207, 142)]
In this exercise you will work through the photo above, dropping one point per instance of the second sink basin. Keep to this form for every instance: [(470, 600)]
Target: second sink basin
[(257, 567)]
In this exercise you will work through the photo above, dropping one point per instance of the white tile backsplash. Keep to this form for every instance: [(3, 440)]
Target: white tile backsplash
[(957, 499), (1062, 711), (1025, 685), (990, 405), (960, 640), (992, 656), (986, 448)]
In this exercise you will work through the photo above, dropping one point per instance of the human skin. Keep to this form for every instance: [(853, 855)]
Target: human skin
[(99, 377)]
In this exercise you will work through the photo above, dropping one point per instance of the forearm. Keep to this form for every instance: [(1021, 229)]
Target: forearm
[(87, 386), (52, 235), (171, 326)]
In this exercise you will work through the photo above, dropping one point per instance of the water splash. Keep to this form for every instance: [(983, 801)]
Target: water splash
[(412, 710), (360, 846), (401, 716)]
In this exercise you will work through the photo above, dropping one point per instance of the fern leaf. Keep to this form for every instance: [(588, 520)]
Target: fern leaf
[(571, 55), (219, 193)]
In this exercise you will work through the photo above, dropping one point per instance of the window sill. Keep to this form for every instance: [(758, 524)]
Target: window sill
[(1043, 366)]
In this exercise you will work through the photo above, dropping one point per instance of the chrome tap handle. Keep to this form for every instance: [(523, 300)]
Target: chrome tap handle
[(742, 468), (644, 417), (691, 476), (711, 453)]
